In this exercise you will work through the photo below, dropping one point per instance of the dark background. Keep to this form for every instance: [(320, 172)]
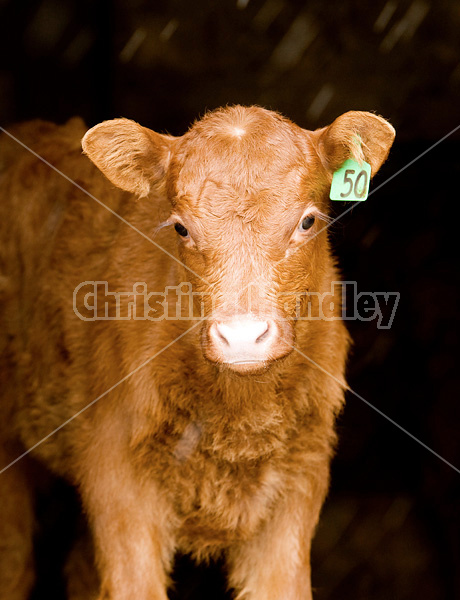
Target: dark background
[(390, 527)]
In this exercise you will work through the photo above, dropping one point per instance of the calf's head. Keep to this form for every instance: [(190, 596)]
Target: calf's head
[(248, 196)]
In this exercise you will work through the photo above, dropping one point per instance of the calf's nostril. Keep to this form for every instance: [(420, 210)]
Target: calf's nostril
[(264, 335), (218, 333)]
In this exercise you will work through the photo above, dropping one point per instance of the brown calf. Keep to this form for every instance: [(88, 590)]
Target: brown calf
[(212, 436)]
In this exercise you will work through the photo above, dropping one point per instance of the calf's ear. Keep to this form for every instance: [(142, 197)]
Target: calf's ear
[(132, 157), (357, 135)]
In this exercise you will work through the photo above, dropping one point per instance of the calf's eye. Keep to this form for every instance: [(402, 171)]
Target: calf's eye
[(181, 229), (306, 223)]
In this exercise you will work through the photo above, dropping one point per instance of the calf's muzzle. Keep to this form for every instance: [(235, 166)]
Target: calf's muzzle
[(245, 343)]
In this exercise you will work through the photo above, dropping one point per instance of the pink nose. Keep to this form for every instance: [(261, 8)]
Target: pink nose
[(243, 339)]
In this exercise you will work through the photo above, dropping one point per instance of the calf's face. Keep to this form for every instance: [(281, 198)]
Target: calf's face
[(248, 194)]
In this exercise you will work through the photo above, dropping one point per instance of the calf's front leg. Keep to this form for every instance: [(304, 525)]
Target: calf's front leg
[(17, 573), (275, 565), (130, 525)]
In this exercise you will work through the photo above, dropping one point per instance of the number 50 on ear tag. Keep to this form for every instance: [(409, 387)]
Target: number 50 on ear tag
[(351, 181)]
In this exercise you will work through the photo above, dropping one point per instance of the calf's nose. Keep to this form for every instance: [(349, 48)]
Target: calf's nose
[(243, 339), (242, 333)]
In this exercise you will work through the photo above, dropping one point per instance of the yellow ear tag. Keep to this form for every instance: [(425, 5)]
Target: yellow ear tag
[(351, 181)]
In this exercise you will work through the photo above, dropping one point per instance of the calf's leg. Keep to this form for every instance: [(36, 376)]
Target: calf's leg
[(130, 523), (80, 570), (16, 529), (275, 565)]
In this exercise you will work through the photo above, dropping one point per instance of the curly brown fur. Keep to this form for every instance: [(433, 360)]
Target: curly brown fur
[(190, 452)]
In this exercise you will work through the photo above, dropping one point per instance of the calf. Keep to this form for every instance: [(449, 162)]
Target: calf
[(204, 423)]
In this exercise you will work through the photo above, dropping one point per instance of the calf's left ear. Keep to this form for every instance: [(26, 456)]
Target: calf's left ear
[(357, 135), (132, 157)]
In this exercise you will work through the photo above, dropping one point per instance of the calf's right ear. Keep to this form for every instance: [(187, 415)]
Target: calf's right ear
[(132, 157)]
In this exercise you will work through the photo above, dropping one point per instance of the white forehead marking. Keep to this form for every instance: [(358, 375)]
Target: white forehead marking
[(237, 131)]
